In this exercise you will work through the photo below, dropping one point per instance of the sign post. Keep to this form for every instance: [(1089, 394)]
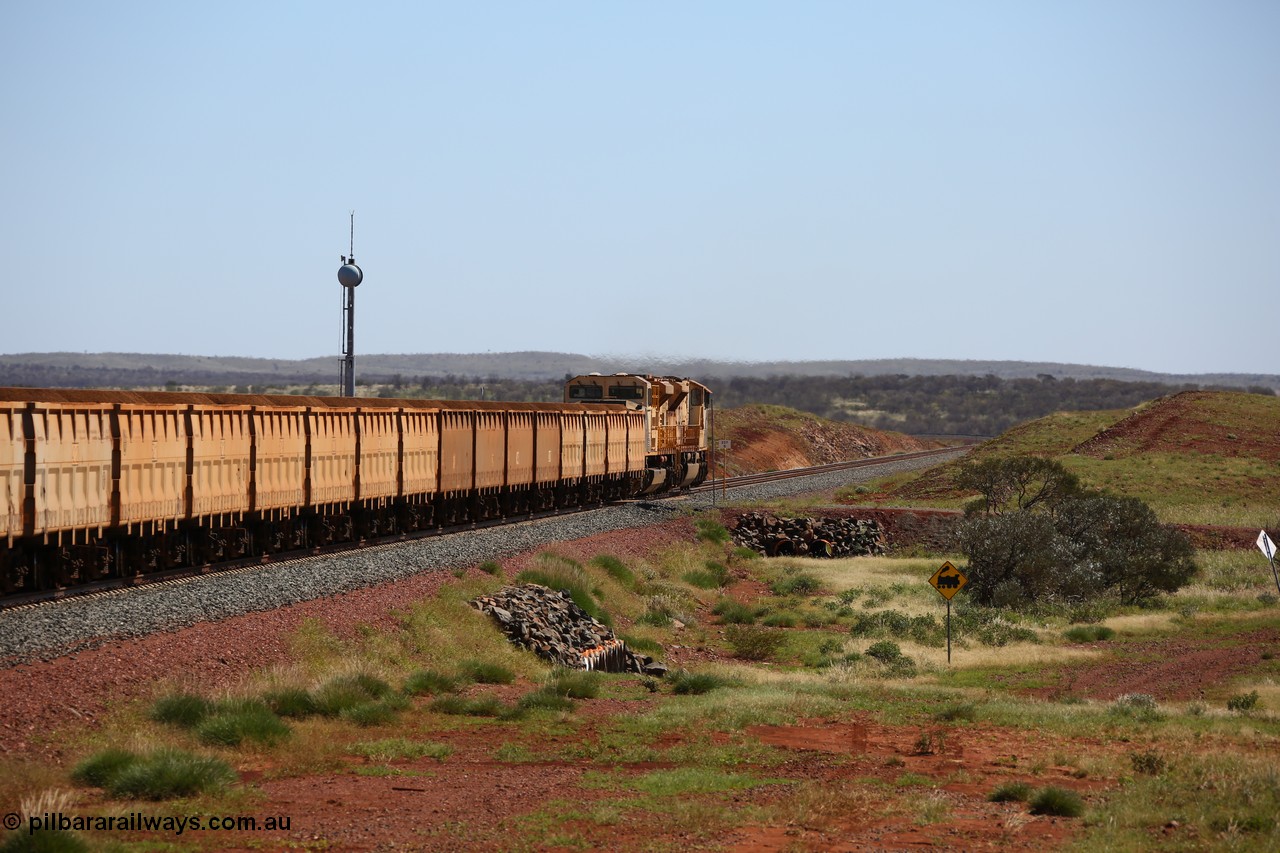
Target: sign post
[(948, 580), (1268, 549), (724, 445)]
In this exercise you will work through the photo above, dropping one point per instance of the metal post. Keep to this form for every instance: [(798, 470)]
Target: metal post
[(1274, 574), (948, 632), (350, 367)]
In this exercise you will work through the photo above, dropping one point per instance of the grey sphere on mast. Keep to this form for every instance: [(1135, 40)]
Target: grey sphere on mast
[(349, 276)]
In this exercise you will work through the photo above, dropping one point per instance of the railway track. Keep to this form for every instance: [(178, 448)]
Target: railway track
[(111, 587), (774, 476)]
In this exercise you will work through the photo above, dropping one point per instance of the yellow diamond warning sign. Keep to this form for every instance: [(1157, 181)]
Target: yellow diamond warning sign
[(948, 580)]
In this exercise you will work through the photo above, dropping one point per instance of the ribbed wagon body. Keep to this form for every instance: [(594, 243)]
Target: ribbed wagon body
[(96, 484)]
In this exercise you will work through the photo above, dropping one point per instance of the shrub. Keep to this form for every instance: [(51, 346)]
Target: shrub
[(181, 709), (752, 643), (1243, 702), (1058, 802), (732, 612), (1011, 792), (712, 531), (491, 568), (893, 661), (1089, 547), (1089, 633), (291, 702), (800, 583), (238, 722), (616, 569), (884, 651), (1134, 705), (1015, 483), (484, 672), (685, 683), (429, 681), (1148, 763)]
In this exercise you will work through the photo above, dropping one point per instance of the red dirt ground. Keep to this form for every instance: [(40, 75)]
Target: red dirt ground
[(871, 771)]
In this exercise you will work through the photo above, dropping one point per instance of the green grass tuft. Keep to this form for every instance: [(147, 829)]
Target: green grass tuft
[(684, 683), (429, 681), (393, 748), (482, 706), (100, 768), (290, 702), (1089, 633), (237, 722), (751, 643), (348, 691), (1058, 802), (616, 569), (733, 612), (181, 709), (1011, 792), (710, 530), (484, 672), (159, 775)]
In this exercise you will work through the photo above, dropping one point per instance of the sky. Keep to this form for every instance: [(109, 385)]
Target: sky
[(1094, 182)]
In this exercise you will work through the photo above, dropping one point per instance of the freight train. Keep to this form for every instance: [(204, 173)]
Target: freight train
[(100, 484)]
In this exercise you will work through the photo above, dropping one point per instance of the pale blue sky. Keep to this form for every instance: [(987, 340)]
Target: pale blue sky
[(1090, 182)]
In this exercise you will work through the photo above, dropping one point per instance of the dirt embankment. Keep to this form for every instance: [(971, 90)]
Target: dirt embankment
[(773, 438)]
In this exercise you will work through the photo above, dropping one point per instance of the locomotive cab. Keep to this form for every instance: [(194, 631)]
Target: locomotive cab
[(677, 414)]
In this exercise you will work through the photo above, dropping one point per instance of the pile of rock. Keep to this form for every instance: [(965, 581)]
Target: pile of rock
[(549, 624), (809, 537)]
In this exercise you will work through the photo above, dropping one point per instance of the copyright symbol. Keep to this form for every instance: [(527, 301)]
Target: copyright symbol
[(12, 820)]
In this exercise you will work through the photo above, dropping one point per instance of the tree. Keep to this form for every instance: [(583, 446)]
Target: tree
[(1088, 547), (1016, 483)]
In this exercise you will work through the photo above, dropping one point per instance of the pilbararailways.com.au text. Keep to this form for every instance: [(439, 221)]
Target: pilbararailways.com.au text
[(139, 822)]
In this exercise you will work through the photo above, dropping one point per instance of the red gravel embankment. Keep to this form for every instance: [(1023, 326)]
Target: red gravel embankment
[(41, 697)]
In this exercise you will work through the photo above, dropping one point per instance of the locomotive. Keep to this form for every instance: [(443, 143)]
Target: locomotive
[(98, 484)]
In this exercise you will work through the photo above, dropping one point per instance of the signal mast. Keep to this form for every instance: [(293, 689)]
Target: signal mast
[(349, 276)]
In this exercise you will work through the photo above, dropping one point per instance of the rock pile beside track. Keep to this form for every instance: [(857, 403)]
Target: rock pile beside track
[(549, 624), (810, 537)]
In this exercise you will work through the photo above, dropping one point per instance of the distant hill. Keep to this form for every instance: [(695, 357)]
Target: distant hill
[(131, 370), (774, 438)]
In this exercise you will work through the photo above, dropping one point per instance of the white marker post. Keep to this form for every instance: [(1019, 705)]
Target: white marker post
[(1268, 548)]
